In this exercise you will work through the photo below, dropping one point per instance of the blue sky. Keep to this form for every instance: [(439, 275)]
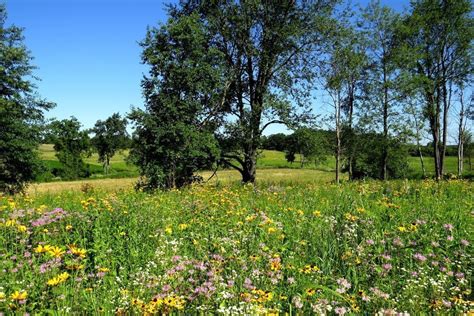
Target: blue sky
[(87, 52)]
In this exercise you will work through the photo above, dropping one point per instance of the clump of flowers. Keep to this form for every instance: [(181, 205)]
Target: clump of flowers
[(61, 278)]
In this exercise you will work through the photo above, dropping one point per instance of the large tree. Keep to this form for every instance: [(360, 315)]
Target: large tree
[(438, 35), (109, 137), (263, 52), (20, 110), (184, 92)]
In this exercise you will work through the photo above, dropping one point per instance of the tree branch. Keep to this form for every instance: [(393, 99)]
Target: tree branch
[(271, 122), (226, 162)]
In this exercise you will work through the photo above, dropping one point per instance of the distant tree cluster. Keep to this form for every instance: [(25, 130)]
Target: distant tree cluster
[(110, 136), (310, 144), (72, 144)]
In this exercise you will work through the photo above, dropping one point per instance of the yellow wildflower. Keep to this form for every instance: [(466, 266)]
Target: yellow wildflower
[(19, 295), (402, 229), (56, 252), (310, 292), (41, 248), (80, 252), (174, 302), (10, 223), (351, 217), (250, 218), (360, 210)]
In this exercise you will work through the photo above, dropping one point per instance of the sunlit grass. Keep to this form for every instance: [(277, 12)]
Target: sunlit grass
[(276, 176)]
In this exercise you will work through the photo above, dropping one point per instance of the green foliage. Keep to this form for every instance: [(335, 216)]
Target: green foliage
[(436, 55), (21, 112), (275, 142), (310, 144), (109, 136), (174, 135), (290, 156), (260, 52), (369, 157), (71, 145)]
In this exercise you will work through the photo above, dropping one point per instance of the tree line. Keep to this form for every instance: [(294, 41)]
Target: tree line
[(221, 72), (314, 145)]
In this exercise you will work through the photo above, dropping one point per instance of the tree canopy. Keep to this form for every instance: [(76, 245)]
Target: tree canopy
[(109, 136), (247, 65), (21, 111)]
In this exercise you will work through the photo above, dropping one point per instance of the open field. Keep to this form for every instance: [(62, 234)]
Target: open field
[(119, 167), (277, 176), (297, 248), (268, 159)]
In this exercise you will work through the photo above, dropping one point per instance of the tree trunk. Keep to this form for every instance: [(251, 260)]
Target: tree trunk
[(107, 166), (385, 125), (461, 136), (417, 127), (338, 155), (445, 127), (433, 105), (338, 137), (422, 161), (460, 158), (249, 169), (351, 135), (436, 150)]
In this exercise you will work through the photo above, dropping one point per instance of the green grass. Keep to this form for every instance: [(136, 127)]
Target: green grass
[(280, 247), (267, 159), (119, 168), (222, 177), (450, 165), (276, 159)]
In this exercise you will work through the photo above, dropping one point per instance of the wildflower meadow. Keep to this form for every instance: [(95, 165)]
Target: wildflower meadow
[(365, 247)]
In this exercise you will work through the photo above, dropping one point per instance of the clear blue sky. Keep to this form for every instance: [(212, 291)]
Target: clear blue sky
[(87, 51)]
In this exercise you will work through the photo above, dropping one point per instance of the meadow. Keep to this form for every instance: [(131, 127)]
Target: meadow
[(268, 159), (280, 247)]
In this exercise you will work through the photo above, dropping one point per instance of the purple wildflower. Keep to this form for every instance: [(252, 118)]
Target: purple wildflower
[(340, 310), (387, 267), (448, 226), (418, 256)]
